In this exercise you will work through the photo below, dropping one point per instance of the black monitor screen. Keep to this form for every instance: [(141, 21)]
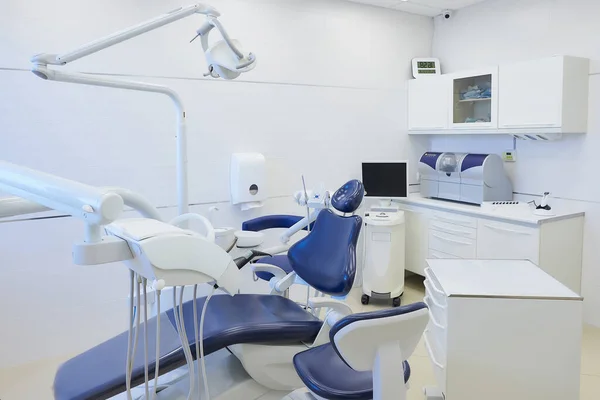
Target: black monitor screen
[(385, 180)]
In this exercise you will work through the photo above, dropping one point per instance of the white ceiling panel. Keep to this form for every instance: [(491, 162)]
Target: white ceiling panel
[(424, 7)]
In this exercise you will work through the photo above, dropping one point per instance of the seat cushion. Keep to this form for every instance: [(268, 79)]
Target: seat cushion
[(325, 374), (280, 261), (99, 373)]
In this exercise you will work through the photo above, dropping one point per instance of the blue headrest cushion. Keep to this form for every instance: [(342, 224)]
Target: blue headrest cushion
[(326, 258), (349, 197)]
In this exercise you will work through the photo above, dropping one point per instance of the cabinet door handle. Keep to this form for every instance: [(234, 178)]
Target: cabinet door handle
[(430, 279), (431, 356), (529, 125), (452, 240), (507, 230)]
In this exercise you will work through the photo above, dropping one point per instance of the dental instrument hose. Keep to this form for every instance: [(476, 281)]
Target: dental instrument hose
[(204, 376), (131, 351), (146, 388), (157, 348), (131, 317), (196, 337), (180, 321)]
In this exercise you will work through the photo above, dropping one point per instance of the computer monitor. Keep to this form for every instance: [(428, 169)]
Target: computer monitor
[(385, 180)]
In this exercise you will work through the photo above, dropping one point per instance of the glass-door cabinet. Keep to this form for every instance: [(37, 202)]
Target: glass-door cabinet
[(474, 99)]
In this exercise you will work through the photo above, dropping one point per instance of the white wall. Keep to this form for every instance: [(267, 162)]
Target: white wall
[(328, 88), (496, 32)]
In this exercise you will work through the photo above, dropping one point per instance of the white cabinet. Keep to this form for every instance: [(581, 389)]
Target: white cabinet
[(547, 93), (555, 245), (497, 240), (416, 239), (502, 330), (474, 99), (537, 100), (428, 103)]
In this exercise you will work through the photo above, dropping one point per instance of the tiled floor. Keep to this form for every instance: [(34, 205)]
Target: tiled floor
[(33, 382)]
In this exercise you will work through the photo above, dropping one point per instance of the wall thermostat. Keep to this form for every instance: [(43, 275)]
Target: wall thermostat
[(425, 67)]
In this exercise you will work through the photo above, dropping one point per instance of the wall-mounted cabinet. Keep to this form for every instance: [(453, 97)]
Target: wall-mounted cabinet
[(428, 103), (547, 93), (532, 100), (474, 99)]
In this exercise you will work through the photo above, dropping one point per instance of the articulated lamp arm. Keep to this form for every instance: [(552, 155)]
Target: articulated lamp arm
[(126, 34), (225, 60)]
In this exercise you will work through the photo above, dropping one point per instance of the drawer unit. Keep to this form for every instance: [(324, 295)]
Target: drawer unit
[(498, 240), (444, 230), (493, 338), (461, 247), (453, 229)]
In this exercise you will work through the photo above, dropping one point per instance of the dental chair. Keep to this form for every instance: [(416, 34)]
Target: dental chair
[(263, 331), (346, 200)]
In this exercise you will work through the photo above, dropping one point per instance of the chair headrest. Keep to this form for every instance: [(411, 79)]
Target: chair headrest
[(349, 197)]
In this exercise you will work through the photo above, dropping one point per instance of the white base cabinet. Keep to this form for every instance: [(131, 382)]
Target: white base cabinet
[(555, 245), (502, 330)]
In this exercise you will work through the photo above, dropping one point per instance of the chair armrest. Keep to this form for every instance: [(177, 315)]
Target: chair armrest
[(277, 272), (270, 222), (335, 305)]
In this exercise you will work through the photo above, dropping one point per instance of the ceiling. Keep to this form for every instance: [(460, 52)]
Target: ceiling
[(424, 7)]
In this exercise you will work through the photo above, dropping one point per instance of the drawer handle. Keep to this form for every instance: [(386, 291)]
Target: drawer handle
[(452, 240), (431, 356), (431, 317), (456, 231), (451, 220), (506, 230), (440, 256), (430, 279), (432, 299)]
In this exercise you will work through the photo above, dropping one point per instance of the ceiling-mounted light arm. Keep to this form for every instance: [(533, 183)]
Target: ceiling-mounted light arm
[(126, 34), (219, 58)]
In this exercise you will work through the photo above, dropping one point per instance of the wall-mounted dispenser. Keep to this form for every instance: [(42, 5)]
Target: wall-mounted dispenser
[(248, 176)]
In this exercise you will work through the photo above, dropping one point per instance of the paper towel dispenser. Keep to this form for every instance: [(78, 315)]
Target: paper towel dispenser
[(248, 180), (468, 178)]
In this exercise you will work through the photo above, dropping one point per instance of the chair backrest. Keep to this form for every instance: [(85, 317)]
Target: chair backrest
[(326, 258), (357, 337)]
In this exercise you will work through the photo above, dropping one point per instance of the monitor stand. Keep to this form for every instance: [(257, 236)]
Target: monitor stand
[(385, 205)]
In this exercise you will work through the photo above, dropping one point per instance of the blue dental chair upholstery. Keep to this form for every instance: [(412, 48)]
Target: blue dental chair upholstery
[(99, 373), (326, 374), (229, 320)]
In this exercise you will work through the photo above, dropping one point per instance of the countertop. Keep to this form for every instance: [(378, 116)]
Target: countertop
[(522, 213), (497, 278)]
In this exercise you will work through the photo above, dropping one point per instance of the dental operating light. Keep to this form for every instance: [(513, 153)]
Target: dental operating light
[(225, 59)]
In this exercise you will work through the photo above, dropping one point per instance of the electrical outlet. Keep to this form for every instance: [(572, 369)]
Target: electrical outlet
[(509, 156)]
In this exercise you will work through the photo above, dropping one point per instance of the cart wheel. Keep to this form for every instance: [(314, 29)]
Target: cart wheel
[(364, 299), (396, 302)]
